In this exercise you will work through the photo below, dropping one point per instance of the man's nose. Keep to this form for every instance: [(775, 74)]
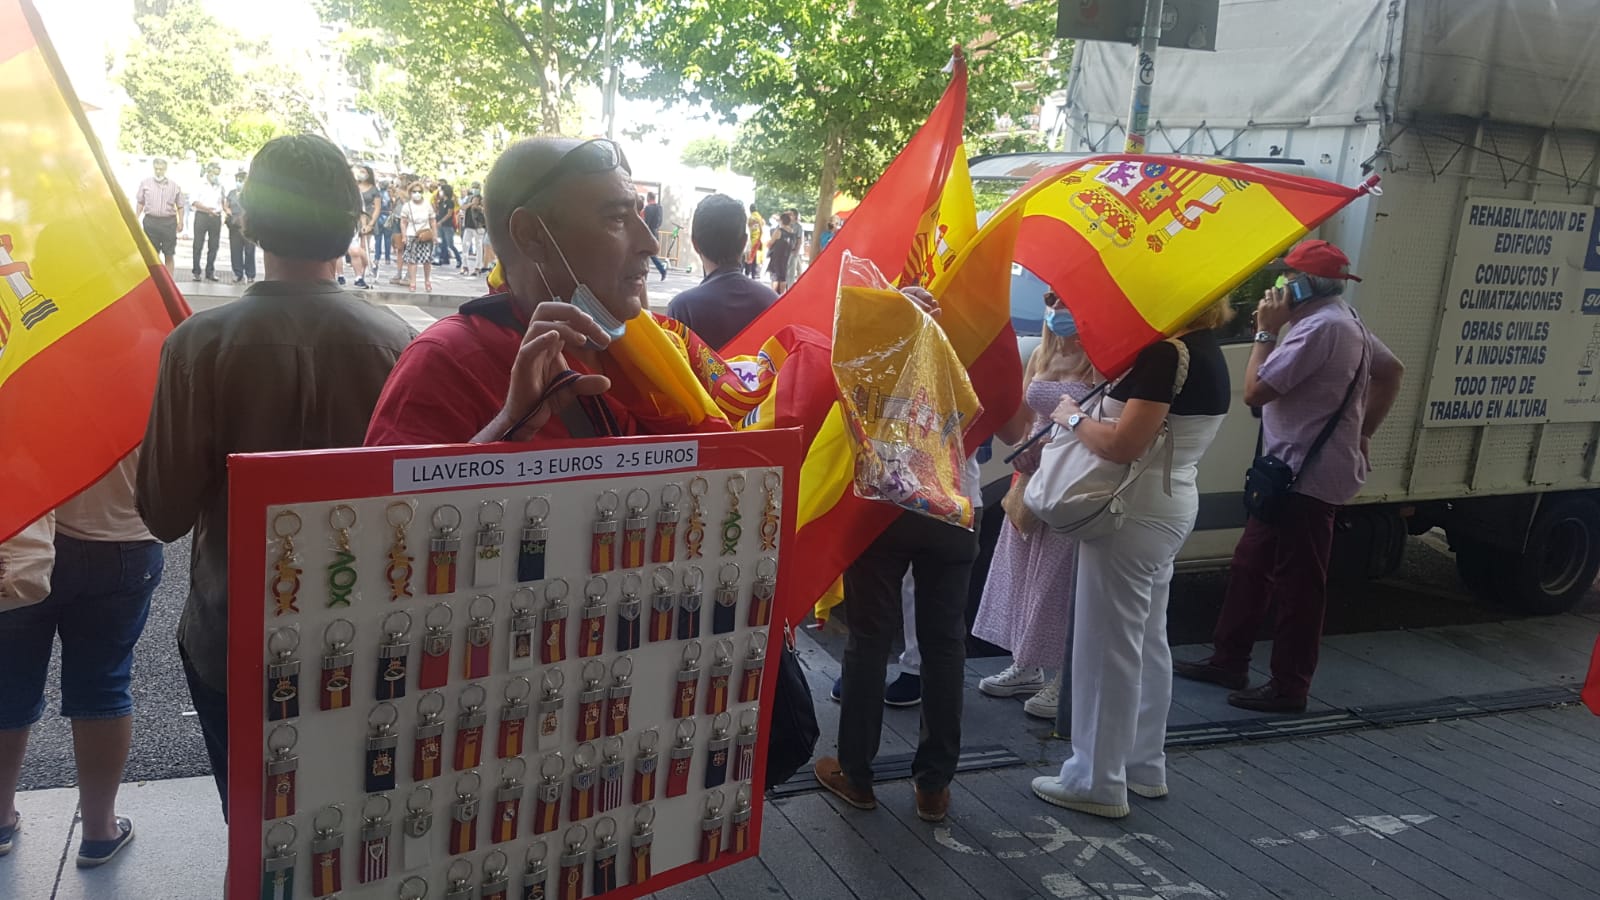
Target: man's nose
[(644, 239)]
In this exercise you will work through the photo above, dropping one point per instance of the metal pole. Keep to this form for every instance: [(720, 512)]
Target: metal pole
[(1144, 76), (608, 101)]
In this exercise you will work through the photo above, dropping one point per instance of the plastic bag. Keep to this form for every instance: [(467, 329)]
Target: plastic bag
[(905, 396)]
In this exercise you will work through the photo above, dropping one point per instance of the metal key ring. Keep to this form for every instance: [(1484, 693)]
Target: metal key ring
[(321, 816), (691, 655), (736, 484), (278, 829), (685, 732), (338, 638), (284, 641), (389, 716), (649, 740), (606, 504), (632, 583), (594, 672), (556, 590), (537, 510), (694, 578), (444, 514), (472, 778), (638, 508), (726, 580), (514, 697), (276, 738), (427, 710), (477, 611), (621, 669), (605, 831), (698, 486), (554, 680), (714, 801), (585, 757), (661, 579), (527, 598), (425, 793), (758, 645), (671, 493), (537, 860), (433, 622), (499, 506), (367, 805), (494, 864), (340, 514), (720, 725), (574, 845), (459, 881), (750, 720), (552, 774), (399, 506), (292, 517), (415, 887), (771, 479), (612, 749), (741, 797), (521, 768), (475, 691), (395, 631), (767, 569), (643, 818), (723, 652), (594, 596)]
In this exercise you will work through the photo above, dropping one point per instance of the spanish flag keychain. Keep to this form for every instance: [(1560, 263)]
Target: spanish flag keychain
[(524, 628), (547, 730), (570, 876), (381, 743), (679, 759), (769, 509), (755, 661), (553, 623), (739, 831), (664, 547), (394, 656), (688, 682), (690, 603), (633, 528), (603, 874), (496, 883), (585, 774), (327, 846), (342, 570), (762, 592), (603, 550), (536, 871), (694, 535), (514, 712), (547, 796), (488, 543), (639, 843), (375, 831), (618, 696), (724, 609), (721, 672), (592, 618), (591, 699), (469, 728), (282, 764), (609, 794), (443, 548), (744, 744), (731, 529), (277, 868), (480, 632), (535, 536), (717, 751), (663, 604), (283, 675), (433, 671), (711, 828), (645, 766), (427, 753), (401, 562), (336, 662), (629, 610), (464, 814), (286, 570), (508, 801)]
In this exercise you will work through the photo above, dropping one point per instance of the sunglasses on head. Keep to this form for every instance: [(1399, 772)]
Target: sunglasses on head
[(588, 158)]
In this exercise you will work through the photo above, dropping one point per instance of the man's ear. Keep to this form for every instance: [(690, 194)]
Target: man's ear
[(527, 236)]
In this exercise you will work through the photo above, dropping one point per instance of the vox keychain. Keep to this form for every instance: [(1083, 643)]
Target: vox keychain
[(744, 744), (570, 876), (336, 662), (592, 618), (761, 593), (755, 661), (739, 831), (487, 545), (553, 623), (662, 604), (283, 675), (603, 550), (664, 548), (427, 755), (548, 732), (711, 828), (401, 563), (282, 765), (731, 530), (536, 871), (513, 718), (603, 876), (687, 683), (694, 536), (724, 609), (464, 814), (327, 842), (443, 548), (286, 571), (496, 883), (645, 767), (524, 622), (680, 758), (416, 830), (480, 631), (717, 751), (628, 612), (721, 672), (547, 796), (508, 801), (381, 744), (769, 509), (530, 553), (591, 697), (639, 844), (580, 804), (619, 696), (690, 603), (434, 670), (633, 527), (393, 656), (609, 795), (342, 571), (375, 831), (469, 728), (277, 868)]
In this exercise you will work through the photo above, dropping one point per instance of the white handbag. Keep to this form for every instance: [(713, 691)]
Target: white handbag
[(26, 560), (1078, 492)]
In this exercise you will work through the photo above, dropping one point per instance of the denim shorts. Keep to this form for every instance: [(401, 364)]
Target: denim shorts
[(99, 600)]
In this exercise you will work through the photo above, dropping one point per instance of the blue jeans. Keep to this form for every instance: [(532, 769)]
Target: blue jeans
[(381, 245), (99, 600), (447, 246)]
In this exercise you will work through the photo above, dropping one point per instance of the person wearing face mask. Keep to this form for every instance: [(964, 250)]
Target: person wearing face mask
[(420, 226), (240, 248), (206, 205), (158, 205)]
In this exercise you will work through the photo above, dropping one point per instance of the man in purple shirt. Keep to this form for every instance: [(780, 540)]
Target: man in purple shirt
[(1299, 384)]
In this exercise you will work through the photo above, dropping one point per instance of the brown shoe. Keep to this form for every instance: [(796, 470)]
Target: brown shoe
[(1268, 698), (933, 806), (1205, 671), (831, 776)]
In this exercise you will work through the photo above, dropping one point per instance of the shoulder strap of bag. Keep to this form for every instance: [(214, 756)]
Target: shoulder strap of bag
[(1338, 414), (1179, 379)]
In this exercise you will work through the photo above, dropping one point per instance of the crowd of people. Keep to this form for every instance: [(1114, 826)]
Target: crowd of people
[(297, 364)]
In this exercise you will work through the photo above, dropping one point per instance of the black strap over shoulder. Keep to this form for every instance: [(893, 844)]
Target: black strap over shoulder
[(494, 307), (1338, 414)]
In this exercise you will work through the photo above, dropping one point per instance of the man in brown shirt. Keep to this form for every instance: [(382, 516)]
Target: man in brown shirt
[(294, 364)]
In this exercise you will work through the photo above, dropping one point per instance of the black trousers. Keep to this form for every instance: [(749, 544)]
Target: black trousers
[(211, 709), (940, 558), (243, 252), (206, 225)]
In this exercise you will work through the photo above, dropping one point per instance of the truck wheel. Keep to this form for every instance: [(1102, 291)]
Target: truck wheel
[(1562, 556)]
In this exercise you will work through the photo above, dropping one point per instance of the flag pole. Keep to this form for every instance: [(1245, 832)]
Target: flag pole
[(1144, 77)]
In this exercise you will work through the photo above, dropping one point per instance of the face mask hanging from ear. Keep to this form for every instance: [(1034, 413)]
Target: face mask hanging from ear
[(583, 298)]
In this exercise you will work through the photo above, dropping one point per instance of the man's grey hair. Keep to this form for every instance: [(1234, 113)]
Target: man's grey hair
[(1324, 287)]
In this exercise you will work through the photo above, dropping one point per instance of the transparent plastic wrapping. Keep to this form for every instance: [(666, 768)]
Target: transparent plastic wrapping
[(905, 395)]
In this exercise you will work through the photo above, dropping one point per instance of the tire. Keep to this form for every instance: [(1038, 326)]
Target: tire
[(1562, 557)]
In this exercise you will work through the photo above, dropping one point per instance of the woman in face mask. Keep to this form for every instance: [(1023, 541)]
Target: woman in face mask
[(1027, 600), (420, 226)]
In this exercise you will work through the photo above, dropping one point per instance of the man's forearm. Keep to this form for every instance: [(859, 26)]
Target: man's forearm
[(1380, 399)]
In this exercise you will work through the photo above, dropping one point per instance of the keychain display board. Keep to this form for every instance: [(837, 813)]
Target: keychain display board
[(487, 672)]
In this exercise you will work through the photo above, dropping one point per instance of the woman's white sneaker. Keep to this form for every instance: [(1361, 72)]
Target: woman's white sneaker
[(1013, 681), (1052, 791), (1043, 704)]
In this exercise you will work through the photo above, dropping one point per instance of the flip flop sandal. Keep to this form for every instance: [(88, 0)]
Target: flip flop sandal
[(98, 853), (8, 835)]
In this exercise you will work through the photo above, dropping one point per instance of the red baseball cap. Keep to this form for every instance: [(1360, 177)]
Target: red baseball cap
[(1319, 258)]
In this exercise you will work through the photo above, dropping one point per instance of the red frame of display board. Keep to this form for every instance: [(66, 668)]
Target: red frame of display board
[(260, 480)]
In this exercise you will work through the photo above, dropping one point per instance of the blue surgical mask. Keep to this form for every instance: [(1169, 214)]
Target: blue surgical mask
[(1060, 322), (583, 298)]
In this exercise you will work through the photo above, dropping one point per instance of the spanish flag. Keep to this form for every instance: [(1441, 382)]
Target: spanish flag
[(84, 301)]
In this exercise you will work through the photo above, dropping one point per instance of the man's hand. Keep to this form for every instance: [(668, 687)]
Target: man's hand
[(923, 300), (1366, 450), (539, 361), (1272, 313)]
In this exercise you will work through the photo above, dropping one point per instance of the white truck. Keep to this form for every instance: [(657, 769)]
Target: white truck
[(1481, 259)]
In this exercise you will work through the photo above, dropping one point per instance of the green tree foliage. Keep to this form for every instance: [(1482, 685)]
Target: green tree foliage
[(179, 77), (426, 121), (711, 152)]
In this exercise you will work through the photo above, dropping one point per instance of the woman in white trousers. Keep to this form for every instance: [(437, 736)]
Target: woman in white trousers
[(1121, 665)]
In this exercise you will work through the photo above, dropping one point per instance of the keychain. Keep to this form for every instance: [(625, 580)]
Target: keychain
[(739, 832), (381, 743), (281, 767), (552, 625), (688, 682), (611, 764), (427, 757), (645, 766), (731, 530), (761, 593), (326, 851), (689, 605), (590, 698), (537, 872), (523, 624), (665, 547), (725, 608), (443, 548), (681, 758), (755, 660), (711, 828), (580, 803), (490, 539), (662, 604), (717, 751), (277, 868), (480, 629), (375, 831), (530, 556), (513, 718), (633, 528), (496, 882), (336, 662), (744, 752), (416, 839), (547, 796), (603, 551), (769, 509), (604, 874), (283, 675), (628, 611), (695, 534), (399, 516), (393, 655), (285, 569), (414, 887), (458, 881), (508, 801), (640, 842), (342, 571), (592, 618), (619, 696), (570, 878), (469, 728), (721, 672), (434, 670), (548, 733), (464, 814)]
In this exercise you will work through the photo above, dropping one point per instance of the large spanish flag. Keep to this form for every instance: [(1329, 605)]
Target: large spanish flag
[(84, 302), (1137, 245)]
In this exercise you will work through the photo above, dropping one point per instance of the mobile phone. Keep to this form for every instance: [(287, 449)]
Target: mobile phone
[(1298, 288)]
